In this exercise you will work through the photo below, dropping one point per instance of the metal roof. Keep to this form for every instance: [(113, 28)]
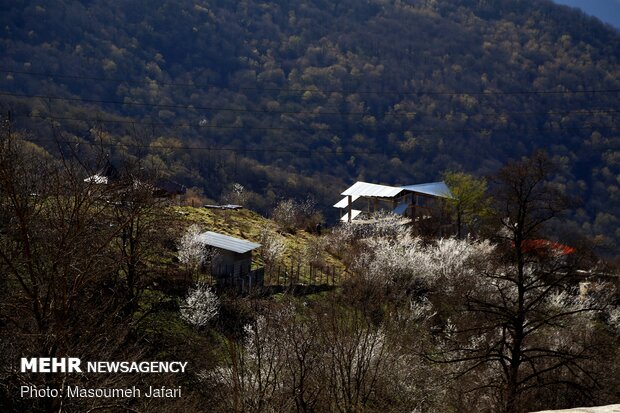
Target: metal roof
[(227, 206), (365, 189), (354, 214), (97, 179), (227, 242), (438, 189), (343, 203)]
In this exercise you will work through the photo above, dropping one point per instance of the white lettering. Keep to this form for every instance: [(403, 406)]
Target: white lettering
[(50, 365), (59, 364), (136, 367), (29, 365), (74, 365), (75, 391), (183, 365), (32, 391), (44, 365)]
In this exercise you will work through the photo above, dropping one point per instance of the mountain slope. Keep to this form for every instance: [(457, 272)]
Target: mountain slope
[(291, 98)]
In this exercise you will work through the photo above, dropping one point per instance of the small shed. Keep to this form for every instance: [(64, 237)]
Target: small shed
[(232, 262)]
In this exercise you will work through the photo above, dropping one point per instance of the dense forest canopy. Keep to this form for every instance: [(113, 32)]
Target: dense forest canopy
[(296, 98)]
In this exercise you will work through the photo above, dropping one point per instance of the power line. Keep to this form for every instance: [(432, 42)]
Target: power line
[(303, 90), (162, 124), (291, 112), (210, 148), (273, 128)]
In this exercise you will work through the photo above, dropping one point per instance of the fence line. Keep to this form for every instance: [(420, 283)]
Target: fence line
[(296, 273), (300, 273)]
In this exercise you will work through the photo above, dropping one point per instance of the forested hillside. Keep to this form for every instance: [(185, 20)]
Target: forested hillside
[(367, 317), (290, 98)]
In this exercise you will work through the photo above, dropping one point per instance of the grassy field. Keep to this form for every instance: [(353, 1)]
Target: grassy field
[(248, 225)]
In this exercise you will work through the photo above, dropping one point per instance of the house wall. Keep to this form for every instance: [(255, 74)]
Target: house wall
[(228, 263)]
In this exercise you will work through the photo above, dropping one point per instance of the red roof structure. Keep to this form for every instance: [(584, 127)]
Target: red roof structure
[(543, 246)]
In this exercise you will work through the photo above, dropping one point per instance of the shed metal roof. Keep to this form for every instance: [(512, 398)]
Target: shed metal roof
[(227, 242), (366, 189), (438, 189)]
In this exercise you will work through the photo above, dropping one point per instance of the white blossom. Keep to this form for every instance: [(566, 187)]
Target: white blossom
[(407, 259), (191, 250), (614, 318), (201, 306), (272, 247)]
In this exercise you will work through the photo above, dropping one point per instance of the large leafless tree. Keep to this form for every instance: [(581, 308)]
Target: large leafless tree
[(72, 258), (518, 331)]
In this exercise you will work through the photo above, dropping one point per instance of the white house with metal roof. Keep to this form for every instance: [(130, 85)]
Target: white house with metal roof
[(402, 200), (232, 262)]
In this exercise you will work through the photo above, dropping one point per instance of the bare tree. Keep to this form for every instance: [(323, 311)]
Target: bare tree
[(56, 252), (515, 333), (237, 195), (272, 250), (251, 378), (304, 356), (292, 215), (355, 357), (145, 223)]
